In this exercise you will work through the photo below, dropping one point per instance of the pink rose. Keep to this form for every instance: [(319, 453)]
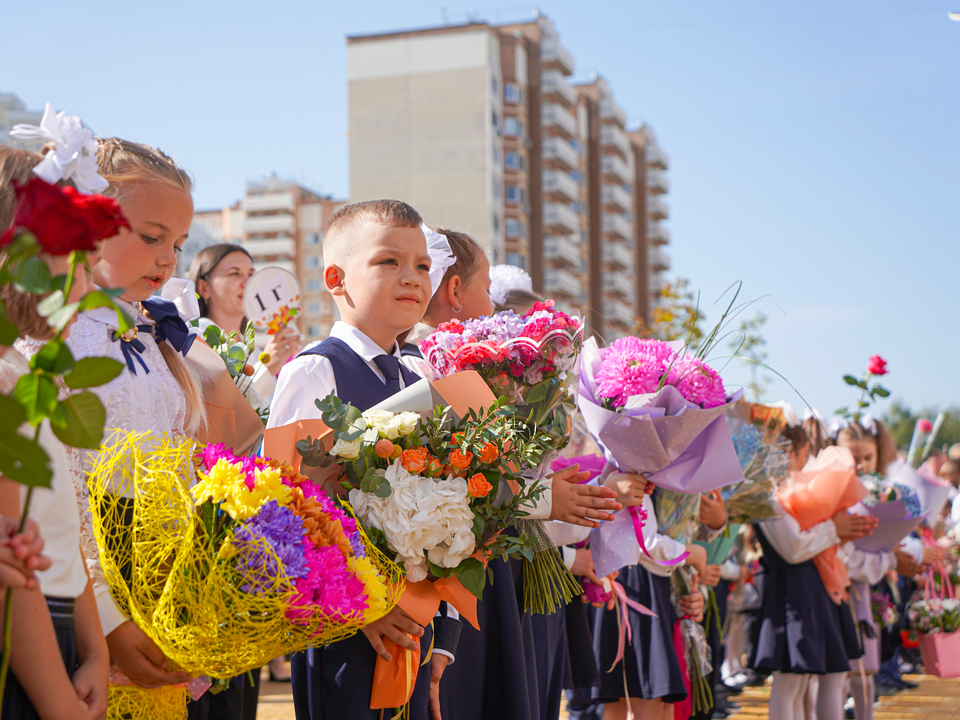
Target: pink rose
[(877, 366), (924, 426)]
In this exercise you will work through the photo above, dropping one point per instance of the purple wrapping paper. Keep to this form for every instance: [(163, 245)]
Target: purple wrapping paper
[(895, 524)]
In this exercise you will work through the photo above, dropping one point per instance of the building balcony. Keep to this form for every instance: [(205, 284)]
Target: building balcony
[(554, 86), (561, 152), (610, 112), (560, 280), (259, 224), (657, 260), (559, 119), (618, 254), (287, 265), (657, 208), (562, 249), (561, 185), (554, 56), (270, 202), (616, 169), (621, 284), (613, 139), (656, 182), (616, 198), (616, 311), (657, 234), (656, 157), (618, 226), (272, 247), (560, 218)]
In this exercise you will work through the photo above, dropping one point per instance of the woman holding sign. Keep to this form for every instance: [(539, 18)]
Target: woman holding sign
[(220, 274)]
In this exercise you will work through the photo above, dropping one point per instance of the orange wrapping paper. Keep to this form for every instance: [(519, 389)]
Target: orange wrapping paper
[(826, 486)]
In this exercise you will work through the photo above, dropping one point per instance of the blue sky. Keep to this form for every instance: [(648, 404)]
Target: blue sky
[(815, 148)]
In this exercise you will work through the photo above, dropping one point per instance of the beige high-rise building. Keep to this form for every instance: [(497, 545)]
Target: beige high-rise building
[(280, 223), (13, 111), (480, 128)]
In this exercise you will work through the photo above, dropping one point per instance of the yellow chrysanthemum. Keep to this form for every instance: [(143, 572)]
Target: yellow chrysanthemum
[(241, 502), (270, 485), (376, 589), (218, 484)]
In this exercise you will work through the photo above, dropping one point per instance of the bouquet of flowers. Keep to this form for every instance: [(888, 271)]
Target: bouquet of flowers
[(530, 360), (764, 458), (426, 490), (934, 615), (226, 562), (690, 643), (884, 611), (236, 351), (893, 499)]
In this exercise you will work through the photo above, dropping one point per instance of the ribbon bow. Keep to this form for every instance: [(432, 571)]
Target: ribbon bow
[(131, 348), (169, 327)]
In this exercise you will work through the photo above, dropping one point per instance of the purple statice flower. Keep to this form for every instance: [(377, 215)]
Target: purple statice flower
[(700, 383), (498, 328), (282, 529)]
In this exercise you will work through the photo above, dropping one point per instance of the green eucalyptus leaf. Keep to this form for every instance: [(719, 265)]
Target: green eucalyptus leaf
[(85, 417), (93, 372), (12, 414), (24, 461), (213, 336), (383, 490), (50, 304), (34, 277), (38, 396)]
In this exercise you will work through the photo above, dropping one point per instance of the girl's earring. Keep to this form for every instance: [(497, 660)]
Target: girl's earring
[(458, 309)]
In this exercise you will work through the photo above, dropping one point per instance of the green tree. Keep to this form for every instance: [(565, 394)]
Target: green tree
[(676, 317), (901, 421)]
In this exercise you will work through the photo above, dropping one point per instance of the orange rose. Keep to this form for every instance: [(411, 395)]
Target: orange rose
[(478, 486), (414, 461), (434, 466), (488, 453), (459, 460)]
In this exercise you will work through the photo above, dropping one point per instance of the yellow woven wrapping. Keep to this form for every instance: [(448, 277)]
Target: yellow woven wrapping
[(165, 575), (129, 702)]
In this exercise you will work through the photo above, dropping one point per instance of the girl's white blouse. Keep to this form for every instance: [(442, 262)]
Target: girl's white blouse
[(141, 402)]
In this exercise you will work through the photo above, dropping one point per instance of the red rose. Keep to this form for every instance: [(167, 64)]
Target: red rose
[(62, 219), (877, 366)]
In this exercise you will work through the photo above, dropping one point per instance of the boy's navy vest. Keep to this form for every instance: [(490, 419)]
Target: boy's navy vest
[(357, 384)]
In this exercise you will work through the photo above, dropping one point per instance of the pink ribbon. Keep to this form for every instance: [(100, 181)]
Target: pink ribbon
[(639, 517), (626, 631)]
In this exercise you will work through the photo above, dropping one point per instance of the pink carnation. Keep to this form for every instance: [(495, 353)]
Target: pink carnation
[(700, 384)]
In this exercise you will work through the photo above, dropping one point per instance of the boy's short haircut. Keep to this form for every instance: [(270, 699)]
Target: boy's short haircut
[(340, 232)]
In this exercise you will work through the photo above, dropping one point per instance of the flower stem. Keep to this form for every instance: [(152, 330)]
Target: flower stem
[(8, 608)]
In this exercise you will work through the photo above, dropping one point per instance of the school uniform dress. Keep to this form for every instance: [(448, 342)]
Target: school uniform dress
[(866, 569), (335, 681), (650, 668), (800, 626), (55, 511)]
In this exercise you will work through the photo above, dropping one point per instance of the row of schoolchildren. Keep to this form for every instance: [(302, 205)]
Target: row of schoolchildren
[(377, 267)]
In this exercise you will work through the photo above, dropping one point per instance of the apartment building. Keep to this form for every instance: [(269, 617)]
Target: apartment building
[(481, 129), (280, 223), (13, 111)]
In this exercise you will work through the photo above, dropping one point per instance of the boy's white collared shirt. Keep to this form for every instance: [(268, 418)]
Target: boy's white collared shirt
[(308, 378)]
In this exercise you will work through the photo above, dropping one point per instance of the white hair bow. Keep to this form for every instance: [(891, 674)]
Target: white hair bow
[(74, 156), (869, 423), (504, 278), (183, 294), (440, 257), (836, 425)]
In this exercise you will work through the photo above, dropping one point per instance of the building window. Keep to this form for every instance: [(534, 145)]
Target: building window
[(314, 239), (496, 154), (496, 121), (512, 93), (496, 189), (517, 260), (314, 331), (512, 127), (514, 194), (314, 285), (495, 85), (577, 175), (515, 228), (313, 308), (512, 160), (496, 223), (313, 261)]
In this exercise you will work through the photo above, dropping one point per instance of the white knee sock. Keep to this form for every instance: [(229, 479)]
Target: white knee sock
[(863, 696), (830, 698), (786, 696)]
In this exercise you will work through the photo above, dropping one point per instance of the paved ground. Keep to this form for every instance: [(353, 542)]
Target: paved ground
[(935, 699)]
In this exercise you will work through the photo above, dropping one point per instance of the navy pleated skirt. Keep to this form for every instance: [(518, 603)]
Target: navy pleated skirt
[(649, 668)]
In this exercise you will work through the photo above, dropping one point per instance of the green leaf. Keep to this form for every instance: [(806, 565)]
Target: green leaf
[(54, 357), (213, 336), (237, 353), (24, 461), (84, 421), (62, 317), (8, 331), (850, 380), (383, 490), (92, 372), (38, 396), (881, 391), (96, 299), (471, 573), (841, 411), (50, 304), (34, 277), (12, 414)]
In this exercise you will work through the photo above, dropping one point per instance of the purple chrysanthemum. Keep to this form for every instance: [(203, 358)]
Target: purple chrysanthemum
[(283, 530)]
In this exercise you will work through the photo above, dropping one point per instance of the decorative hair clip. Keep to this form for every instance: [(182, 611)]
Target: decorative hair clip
[(74, 156), (504, 278), (868, 423), (440, 256)]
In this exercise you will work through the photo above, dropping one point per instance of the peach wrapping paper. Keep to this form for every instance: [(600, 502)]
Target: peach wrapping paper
[(827, 485)]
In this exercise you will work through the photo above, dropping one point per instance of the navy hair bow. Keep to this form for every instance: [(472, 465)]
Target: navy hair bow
[(169, 327)]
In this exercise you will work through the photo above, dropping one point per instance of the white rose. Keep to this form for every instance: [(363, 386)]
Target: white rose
[(349, 450), (391, 427), (408, 422), (377, 418), (370, 436)]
